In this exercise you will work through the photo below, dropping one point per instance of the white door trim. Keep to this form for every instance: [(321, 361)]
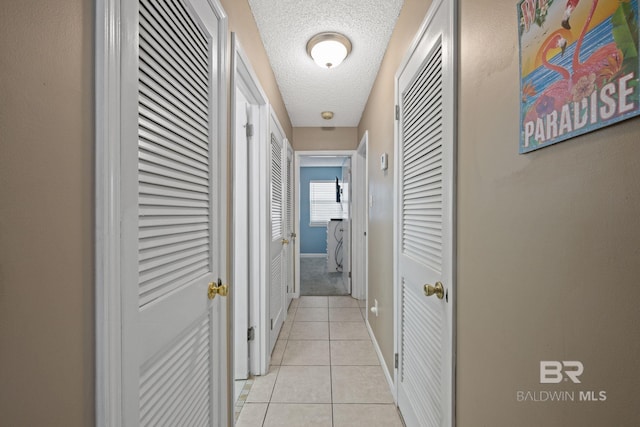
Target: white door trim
[(108, 130), (107, 215), (243, 75)]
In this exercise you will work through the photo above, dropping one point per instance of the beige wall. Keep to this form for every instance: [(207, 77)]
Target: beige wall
[(378, 118), (338, 138), (46, 214), (548, 253), (548, 248)]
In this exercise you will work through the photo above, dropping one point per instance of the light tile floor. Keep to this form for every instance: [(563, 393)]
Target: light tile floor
[(324, 372)]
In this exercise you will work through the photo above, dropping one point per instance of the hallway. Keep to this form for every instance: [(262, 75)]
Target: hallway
[(324, 371)]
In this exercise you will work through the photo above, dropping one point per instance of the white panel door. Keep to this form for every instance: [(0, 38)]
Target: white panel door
[(174, 359), (277, 202), (424, 221), (290, 235)]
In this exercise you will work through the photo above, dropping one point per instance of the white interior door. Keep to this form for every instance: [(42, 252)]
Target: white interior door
[(359, 224), (290, 234), (173, 203), (277, 202), (424, 220)]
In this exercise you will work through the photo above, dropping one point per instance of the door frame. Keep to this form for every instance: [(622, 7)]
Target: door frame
[(452, 59), (297, 155), (108, 61), (243, 75)]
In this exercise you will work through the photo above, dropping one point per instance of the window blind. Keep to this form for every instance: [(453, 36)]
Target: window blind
[(322, 201)]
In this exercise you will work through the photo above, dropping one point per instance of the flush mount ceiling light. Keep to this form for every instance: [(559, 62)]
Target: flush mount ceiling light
[(327, 115), (328, 50)]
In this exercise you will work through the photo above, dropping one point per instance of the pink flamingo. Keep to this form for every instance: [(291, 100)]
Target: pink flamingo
[(568, 10), (607, 56), (556, 95)]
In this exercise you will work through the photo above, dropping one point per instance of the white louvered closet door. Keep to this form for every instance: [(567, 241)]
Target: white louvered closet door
[(277, 201), (424, 220), (172, 331)]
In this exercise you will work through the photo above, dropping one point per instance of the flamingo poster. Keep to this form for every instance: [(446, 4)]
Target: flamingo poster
[(579, 67)]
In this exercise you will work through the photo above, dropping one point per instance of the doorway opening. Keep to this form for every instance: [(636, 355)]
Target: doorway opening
[(324, 194)]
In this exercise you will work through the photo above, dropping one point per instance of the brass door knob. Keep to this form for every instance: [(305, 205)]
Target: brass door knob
[(285, 241), (217, 289), (437, 290)]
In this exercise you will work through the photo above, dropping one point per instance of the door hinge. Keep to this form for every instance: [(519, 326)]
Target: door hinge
[(249, 128), (251, 334), (271, 324), (397, 112), (349, 275), (396, 362)]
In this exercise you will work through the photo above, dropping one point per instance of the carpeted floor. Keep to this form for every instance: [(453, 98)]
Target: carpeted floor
[(316, 280)]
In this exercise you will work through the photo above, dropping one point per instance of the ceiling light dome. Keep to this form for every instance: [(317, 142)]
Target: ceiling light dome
[(328, 50)]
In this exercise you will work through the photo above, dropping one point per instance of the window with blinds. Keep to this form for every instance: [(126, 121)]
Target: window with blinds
[(322, 203)]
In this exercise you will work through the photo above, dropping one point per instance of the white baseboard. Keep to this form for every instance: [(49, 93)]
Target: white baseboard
[(313, 255), (387, 375)]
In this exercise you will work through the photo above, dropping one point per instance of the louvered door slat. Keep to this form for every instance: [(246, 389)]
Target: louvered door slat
[(153, 168), (153, 164), (173, 184), (190, 43), (173, 59), (173, 159), (179, 371), (166, 139), (423, 81), (163, 41), (276, 189), (421, 381), (422, 171), (191, 246), (155, 83), (153, 86), (169, 240), (153, 57), (180, 115), (172, 133), (428, 131), (178, 194), (174, 107), (428, 97), (167, 272), (289, 195), (172, 230)]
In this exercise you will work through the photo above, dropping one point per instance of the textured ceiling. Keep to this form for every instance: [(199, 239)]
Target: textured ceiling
[(307, 90)]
